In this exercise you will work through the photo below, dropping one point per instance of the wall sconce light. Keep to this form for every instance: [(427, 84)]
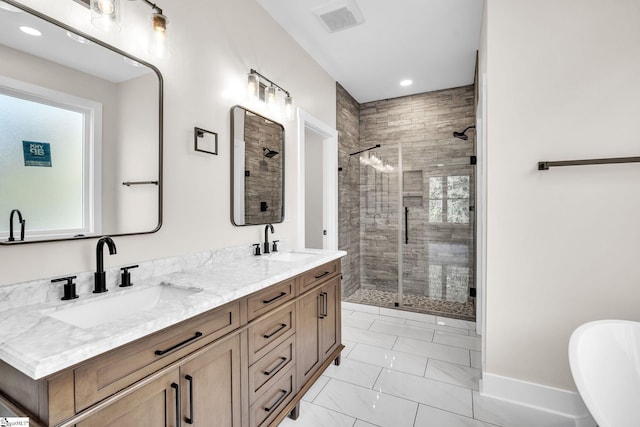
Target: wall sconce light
[(272, 94), (105, 14)]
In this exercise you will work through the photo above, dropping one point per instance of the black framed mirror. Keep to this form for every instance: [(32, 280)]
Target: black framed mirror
[(80, 133), (257, 169)]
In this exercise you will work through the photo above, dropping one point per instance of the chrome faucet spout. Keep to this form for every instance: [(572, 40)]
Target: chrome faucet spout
[(266, 237), (100, 284), (22, 224)]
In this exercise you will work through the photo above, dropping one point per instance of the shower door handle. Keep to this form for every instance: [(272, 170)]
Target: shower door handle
[(406, 225)]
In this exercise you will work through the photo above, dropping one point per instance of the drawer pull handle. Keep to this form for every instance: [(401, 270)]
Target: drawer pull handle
[(322, 275), (189, 420), (275, 368), (268, 301), (325, 307), (176, 387), (321, 305), (281, 327), (280, 399), (180, 344)]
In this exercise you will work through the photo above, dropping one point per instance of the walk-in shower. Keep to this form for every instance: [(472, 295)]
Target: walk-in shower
[(407, 203)]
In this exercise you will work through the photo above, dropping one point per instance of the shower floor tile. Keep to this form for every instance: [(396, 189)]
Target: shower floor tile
[(389, 379), (412, 304)]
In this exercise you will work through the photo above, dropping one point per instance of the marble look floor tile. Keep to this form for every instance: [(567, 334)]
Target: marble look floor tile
[(389, 359), (316, 416), (508, 414), (476, 359), (433, 417), (360, 423), (368, 337), (348, 346), (437, 327), (374, 316), (433, 350), (360, 307), (423, 390), (316, 388), (455, 340), (456, 323), (368, 405), (357, 322), (402, 330), (354, 372), (408, 315), (463, 376)]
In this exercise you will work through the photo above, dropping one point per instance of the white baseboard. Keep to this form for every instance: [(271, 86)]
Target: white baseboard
[(541, 397)]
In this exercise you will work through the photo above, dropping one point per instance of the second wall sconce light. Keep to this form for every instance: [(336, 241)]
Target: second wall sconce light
[(260, 88), (106, 15)]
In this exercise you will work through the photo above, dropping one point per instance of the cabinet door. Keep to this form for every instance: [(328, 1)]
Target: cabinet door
[(308, 336), (210, 386), (330, 332), (154, 405)]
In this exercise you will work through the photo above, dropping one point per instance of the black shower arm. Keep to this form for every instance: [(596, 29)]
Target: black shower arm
[(366, 149)]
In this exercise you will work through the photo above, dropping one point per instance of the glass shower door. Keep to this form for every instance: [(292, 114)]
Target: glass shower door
[(437, 252)]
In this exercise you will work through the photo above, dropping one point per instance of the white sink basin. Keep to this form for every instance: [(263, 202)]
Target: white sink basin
[(120, 304), (292, 256), (605, 363)]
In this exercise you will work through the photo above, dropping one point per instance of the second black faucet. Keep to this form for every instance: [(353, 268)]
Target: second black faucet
[(268, 227), (100, 284)]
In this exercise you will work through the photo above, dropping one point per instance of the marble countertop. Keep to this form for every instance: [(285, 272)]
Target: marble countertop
[(39, 345)]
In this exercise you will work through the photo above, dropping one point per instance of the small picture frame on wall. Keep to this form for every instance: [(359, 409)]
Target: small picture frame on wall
[(205, 141)]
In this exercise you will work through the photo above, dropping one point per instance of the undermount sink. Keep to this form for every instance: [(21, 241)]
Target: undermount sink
[(292, 256), (120, 304), (605, 362)]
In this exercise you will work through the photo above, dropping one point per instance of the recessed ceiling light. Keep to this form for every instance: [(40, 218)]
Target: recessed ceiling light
[(30, 31), (406, 82)]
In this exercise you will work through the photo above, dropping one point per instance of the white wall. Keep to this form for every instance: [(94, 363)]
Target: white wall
[(563, 246), (213, 46)]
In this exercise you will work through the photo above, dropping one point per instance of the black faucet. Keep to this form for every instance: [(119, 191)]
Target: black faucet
[(22, 223), (100, 284), (266, 237)]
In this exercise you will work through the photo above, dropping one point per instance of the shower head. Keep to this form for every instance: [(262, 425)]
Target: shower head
[(269, 153), (463, 135)]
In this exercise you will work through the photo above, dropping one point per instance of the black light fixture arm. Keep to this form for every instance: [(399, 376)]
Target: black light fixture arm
[(153, 6), (366, 149), (267, 79)]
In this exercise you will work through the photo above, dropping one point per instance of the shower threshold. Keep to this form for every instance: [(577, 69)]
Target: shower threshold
[(415, 303)]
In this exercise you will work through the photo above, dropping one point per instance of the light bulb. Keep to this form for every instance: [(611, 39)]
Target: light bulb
[(105, 14), (159, 38), (271, 97), (289, 108), (253, 87)]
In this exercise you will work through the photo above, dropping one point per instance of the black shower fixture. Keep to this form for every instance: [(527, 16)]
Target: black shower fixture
[(366, 149), (269, 153), (462, 135)]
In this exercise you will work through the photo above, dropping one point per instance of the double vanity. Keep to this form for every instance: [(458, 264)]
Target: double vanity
[(217, 338)]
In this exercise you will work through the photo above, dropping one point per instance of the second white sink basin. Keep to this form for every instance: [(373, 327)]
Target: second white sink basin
[(605, 363), (120, 304)]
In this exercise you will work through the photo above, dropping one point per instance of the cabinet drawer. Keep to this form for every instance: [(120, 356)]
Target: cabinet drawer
[(264, 410), (271, 368), (266, 334), (270, 298), (318, 275), (117, 369)]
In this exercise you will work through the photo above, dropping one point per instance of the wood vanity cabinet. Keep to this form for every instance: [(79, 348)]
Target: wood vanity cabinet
[(319, 318), (244, 364)]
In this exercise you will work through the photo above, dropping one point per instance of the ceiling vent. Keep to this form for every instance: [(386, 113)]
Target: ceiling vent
[(339, 16)]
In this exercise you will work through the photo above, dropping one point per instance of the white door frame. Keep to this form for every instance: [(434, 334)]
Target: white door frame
[(329, 174)]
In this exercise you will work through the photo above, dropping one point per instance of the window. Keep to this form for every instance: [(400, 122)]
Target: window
[(48, 142), (450, 202)]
